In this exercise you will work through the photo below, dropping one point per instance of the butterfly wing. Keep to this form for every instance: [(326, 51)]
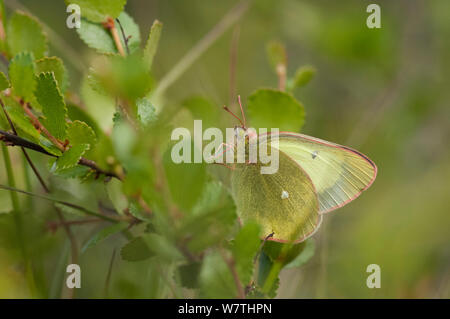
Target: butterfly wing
[(284, 203), (339, 174)]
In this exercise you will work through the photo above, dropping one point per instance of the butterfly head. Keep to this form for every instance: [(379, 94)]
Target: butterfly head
[(244, 133)]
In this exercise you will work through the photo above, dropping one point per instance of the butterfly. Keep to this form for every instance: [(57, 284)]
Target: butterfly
[(314, 177)]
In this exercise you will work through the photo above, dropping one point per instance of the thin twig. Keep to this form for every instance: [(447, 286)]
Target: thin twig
[(125, 38), (108, 275), (68, 230), (89, 163), (198, 49), (231, 265), (73, 244), (36, 172)]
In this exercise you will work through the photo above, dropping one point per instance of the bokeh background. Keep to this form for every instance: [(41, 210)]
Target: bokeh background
[(382, 91)]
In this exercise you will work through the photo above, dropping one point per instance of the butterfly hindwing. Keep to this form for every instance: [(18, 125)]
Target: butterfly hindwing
[(339, 174)]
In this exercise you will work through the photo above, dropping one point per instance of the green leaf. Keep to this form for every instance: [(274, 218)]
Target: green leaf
[(124, 139), (24, 33), (4, 82), (78, 171), (99, 11), (138, 213), (55, 65), (162, 247), (189, 274), (71, 157), (303, 76), (124, 77), (146, 111), (275, 109), (276, 53), (22, 123), (216, 280), (96, 37), (77, 113), (116, 196), (186, 181), (136, 250), (131, 30), (49, 147), (152, 43), (103, 234), (22, 75), (245, 247), (53, 106), (211, 219), (80, 133), (306, 254)]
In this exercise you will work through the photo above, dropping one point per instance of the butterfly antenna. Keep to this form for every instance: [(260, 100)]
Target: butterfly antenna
[(242, 111), (234, 115)]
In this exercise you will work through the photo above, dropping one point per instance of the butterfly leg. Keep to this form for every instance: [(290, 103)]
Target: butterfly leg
[(223, 151)]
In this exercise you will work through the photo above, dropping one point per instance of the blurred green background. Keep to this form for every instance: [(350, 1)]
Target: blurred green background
[(382, 91)]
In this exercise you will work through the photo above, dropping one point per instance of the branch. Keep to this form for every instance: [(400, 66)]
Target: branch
[(14, 140)]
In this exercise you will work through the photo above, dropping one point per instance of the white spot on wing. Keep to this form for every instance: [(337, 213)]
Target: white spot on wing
[(284, 195), (314, 154)]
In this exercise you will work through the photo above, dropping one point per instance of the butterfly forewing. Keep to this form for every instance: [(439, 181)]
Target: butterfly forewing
[(339, 174)]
